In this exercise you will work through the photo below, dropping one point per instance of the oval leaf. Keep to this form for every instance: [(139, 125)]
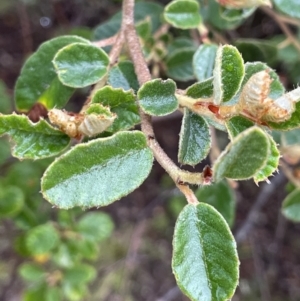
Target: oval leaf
[(79, 65), (204, 61), (42, 239), (228, 73), (95, 226), (11, 201), (157, 97), (123, 76), (244, 156), (202, 89), (33, 140), (195, 140), (99, 172), (179, 64), (236, 125), (121, 103), (291, 206), (271, 165), (183, 14), (205, 260), (38, 81)]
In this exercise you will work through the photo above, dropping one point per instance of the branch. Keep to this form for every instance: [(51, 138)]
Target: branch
[(106, 42), (143, 74)]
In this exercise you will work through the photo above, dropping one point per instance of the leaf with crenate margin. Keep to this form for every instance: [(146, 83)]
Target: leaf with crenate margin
[(179, 64), (271, 165), (228, 73), (195, 140), (123, 76), (121, 103), (204, 61), (98, 172), (38, 81), (244, 156), (157, 97), (221, 196), (79, 65), (291, 206), (183, 14), (32, 140), (205, 260)]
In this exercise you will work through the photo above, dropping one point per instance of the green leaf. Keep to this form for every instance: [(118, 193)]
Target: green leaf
[(80, 274), (291, 206), (183, 14), (204, 61), (180, 42), (221, 197), (288, 7), (123, 76), (195, 140), (121, 103), (244, 156), (74, 292), (271, 165), (179, 64), (202, 89), (11, 201), (79, 65), (95, 226), (38, 81), (42, 239), (236, 125), (99, 172), (157, 97), (292, 123), (33, 140), (205, 260), (32, 272), (229, 72), (143, 28)]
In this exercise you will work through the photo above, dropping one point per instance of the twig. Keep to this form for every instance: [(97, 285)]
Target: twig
[(283, 27), (263, 197), (141, 69), (106, 42)]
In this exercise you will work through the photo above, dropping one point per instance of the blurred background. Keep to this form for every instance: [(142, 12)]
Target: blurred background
[(123, 252)]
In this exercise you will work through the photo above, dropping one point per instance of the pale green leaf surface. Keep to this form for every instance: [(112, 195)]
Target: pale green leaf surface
[(79, 65), (204, 61), (228, 73), (95, 226), (179, 64), (271, 165), (221, 196), (157, 97), (32, 140), (99, 172), (183, 14), (80, 274), (205, 260), (291, 206), (123, 76), (244, 156), (289, 7), (121, 103), (38, 81), (42, 239), (195, 140)]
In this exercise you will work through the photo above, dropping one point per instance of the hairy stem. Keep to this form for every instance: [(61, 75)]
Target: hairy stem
[(143, 74)]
